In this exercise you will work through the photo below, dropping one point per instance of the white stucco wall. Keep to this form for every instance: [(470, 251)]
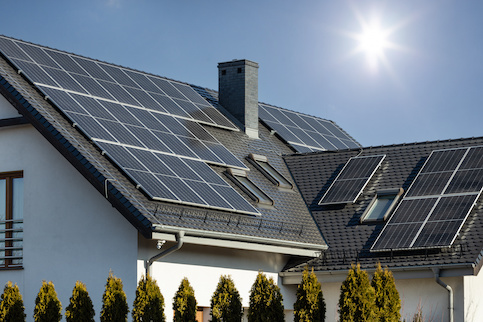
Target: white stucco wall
[(203, 267), (414, 293), (71, 232), (473, 286)]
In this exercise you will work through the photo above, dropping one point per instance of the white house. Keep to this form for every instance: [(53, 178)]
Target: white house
[(107, 168)]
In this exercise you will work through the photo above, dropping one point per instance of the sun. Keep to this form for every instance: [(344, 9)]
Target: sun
[(373, 41)]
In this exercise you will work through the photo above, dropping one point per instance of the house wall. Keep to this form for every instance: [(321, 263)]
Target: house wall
[(415, 293), (473, 310), (71, 232), (204, 265)]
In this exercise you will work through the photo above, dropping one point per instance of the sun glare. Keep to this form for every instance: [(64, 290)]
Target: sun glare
[(373, 41)]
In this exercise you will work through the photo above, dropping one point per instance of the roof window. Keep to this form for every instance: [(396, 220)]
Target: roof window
[(382, 205), (261, 163), (239, 177)]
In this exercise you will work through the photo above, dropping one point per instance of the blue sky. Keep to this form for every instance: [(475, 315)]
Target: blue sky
[(428, 86)]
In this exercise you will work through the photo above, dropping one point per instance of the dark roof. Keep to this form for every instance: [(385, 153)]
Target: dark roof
[(288, 220), (349, 241)]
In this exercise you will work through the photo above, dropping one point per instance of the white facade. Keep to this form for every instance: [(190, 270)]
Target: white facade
[(70, 231), (203, 266)]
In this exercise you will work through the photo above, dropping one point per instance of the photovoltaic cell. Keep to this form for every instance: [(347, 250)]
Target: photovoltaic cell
[(126, 114), (352, 179), (438, 201), (298, 130)]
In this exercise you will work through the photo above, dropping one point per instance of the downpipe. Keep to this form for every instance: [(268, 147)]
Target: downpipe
[(450, 293), (172, 249)]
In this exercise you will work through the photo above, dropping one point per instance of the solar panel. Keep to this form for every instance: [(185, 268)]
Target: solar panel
[(149, 126), (352, 179), (437, 203), (175, 179), (303, 132), (70, 71)]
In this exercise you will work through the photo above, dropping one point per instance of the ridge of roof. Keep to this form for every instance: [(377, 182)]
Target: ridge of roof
[(384, 146)]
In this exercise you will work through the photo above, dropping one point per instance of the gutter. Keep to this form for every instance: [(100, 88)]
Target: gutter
[(172, 249), (436, 271), (220, 239)]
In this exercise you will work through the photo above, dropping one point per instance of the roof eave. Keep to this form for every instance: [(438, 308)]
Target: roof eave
[(400, 273), (244, 242)]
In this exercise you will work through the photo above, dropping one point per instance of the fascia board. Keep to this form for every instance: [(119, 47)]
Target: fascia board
[(232, 241), (399, 273)]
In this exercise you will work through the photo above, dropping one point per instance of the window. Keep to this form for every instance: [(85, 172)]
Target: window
[(239, 177), (11, 219), (382, 205), (261, 163)]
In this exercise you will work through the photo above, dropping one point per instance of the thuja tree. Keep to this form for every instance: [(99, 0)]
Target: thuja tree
[(149, 302), (266, 302), (357, 297), (47, 306), (310, 304), (184, 303), (114, 304), (80, 308), (11, 305), (226, 302), (387, 299)]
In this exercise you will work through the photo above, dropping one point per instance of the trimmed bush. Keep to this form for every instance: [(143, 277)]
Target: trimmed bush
[(266, 301), (357, 297), (47, 306), (11, 307), (226, 305), (388, 302), (184, 303), (114, 304), (149, 302), (80, 308), (310, 304)]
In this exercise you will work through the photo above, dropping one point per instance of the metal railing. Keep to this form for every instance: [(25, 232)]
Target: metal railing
[(11, 243)]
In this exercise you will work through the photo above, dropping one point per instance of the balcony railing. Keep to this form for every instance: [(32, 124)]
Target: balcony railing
[(11, 243)]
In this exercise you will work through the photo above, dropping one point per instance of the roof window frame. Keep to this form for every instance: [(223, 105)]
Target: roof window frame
[(240, 178), (273, 175), (382, 194)]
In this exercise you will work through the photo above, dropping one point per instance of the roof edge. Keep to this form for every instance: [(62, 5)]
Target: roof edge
[(247, 242), (75, 157)]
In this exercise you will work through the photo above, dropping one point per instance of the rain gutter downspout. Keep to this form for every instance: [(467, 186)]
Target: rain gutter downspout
[(450, 291), (172, 249)]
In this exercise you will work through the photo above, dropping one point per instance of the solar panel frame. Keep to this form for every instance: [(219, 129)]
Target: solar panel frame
[(88, 92), (354, 177), (296, 129), (453, 200)]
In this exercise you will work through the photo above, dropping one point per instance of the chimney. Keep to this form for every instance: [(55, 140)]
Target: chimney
[(238, 92)]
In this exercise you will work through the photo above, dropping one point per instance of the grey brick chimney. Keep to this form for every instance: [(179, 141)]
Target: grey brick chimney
[(238, 92)]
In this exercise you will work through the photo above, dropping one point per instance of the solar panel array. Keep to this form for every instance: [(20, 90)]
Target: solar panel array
[(148, 125), (303, 132), (351, 181), (437, 203)]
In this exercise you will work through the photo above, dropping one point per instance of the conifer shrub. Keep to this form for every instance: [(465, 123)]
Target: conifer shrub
[(387, 299), (11, 305), (310, 304), (184, 303), (149, 302), (266, 302), (114, 303), (357, 297), (80, 308), (47, 306), (226, 303)]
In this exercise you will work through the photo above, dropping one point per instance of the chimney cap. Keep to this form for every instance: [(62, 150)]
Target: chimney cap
[(238, 62)]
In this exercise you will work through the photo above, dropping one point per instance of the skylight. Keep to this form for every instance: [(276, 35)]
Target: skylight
[(261, 163), (239, 177)]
